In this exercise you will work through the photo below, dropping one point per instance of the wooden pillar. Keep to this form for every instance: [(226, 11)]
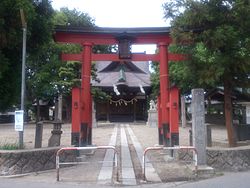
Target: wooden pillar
[(174, 116), (76, 118), (86, 115), (164, 92), (90, 123), (160, 139)]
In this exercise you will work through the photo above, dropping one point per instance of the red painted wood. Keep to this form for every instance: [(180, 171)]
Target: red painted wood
[(86, 76), (135, 57), (159, 111), (174, 110), (76, 107), (115, 57), (71, 57), (108, 39), (164, 82), (77, 38)]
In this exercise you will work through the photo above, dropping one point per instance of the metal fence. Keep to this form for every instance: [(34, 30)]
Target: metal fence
[(58, 163), (167, 148)]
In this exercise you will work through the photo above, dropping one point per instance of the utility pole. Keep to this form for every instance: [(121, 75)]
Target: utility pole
[(24, 26)]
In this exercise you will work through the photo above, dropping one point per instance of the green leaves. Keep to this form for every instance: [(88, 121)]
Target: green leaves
[(216, 35), (72, 18)]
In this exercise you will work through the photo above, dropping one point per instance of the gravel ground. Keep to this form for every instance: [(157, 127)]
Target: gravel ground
[(148, 136)]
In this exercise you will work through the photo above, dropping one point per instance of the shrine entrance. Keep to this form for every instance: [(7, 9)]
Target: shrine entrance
[(168, 100)]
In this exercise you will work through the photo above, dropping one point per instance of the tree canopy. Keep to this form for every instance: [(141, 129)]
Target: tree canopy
[(37, 15), (216, 35), (46, 76)]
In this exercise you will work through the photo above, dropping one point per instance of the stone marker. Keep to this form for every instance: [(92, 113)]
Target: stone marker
[(152, 115), (55, 138), (39, 134), (183, 112), (198, 125), (94, 123)]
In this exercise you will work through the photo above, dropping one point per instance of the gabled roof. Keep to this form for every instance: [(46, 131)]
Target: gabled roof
[(128, 67), (217, 94), (111, 73)]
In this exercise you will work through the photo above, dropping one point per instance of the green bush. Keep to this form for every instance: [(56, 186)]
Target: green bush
[(8, 146)]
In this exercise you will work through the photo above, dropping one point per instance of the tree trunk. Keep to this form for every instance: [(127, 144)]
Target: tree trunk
[(228, 109)]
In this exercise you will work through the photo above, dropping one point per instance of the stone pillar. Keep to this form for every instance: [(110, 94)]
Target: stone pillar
[(59, 115), (39, 134), (183, 112), (198, 125), (94, 123)]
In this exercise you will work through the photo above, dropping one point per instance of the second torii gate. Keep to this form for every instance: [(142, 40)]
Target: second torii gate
[(168, 101)]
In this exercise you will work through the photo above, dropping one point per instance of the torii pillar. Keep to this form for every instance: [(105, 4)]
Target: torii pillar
[(164, 127), (85, 99), (82, 102), (168, 124)]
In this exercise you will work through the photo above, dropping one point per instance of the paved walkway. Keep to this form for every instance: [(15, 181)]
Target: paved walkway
[(130, 141)]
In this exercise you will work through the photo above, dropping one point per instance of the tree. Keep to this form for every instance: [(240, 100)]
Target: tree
[(38, 17), (10, 49), (216, 35), (42, 58), (73, 18)]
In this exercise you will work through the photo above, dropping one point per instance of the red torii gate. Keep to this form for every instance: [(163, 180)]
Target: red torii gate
[(168, 101)]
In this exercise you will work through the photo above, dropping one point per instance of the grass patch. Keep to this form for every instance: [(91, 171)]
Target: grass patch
[(8, 146)]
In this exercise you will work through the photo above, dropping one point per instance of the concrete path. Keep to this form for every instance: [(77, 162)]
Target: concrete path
[(106, 172), (127, 170)]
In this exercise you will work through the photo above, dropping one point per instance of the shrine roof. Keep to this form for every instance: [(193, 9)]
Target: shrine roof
[(115, 31), (109, 75)]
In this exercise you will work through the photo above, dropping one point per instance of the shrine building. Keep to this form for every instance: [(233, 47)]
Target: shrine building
[(128, 85)]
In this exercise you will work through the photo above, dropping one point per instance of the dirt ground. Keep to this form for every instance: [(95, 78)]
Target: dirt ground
[(148, 136)]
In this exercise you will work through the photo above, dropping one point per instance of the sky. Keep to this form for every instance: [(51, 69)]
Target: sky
[(121, 13)]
